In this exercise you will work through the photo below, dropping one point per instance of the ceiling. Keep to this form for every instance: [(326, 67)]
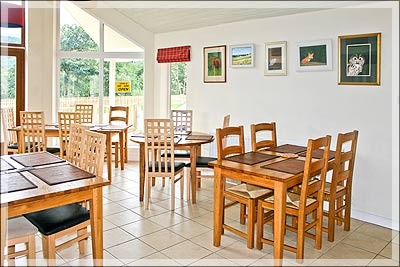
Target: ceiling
[(168, 16)]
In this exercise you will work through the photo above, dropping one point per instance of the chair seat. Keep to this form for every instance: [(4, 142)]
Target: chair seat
[(53, 150), (56, 219), (202, 162), (327, 189), (179, 154), (19, 227), (292, 200), (249, 191), (177, 166)]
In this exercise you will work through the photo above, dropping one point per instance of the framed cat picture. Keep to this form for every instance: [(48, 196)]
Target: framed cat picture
[(275, 58), (360, 59), (314, 55)]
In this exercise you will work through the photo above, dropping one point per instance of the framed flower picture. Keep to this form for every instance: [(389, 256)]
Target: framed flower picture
[(214, 64), (360, 59), (242, 56), (275, 58), (314, 55)]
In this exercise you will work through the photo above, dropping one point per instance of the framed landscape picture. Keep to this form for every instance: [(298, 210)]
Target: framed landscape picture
[(314, 55), (360, 59), (275, 58), (214, 64), (242, 56)]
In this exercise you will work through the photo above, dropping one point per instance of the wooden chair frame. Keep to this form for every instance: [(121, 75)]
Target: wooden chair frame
[(256, 129), (32, 132), (76, 139), (182, 119), (65, 119), (8, 123), (119, 114), (86, 111)]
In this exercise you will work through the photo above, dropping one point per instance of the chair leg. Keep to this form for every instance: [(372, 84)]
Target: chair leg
[(153, 181), (31, 250), (250, 223), (331, 221), (347, 211), (198, 174), (147, 192), (300, 239), (82, 242), (181, 186), (163, 182), (260, 226), (11, 261), (318, 228), (242, 213), (116, 145), (51, 249), (339, 204), (187, 175), (172, 206)]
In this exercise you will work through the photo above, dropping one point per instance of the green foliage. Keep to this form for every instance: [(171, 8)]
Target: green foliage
[(178, 78), (8, 77), (74, 38)]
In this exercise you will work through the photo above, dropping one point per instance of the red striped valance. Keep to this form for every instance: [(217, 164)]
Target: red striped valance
[(173, 54), (12, 16)]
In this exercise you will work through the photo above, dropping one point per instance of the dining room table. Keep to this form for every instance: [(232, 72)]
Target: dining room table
[(51, 130), (191, 141), (277, 168), (37, 181)]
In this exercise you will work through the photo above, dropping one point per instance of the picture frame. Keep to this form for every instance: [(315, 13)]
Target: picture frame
[(275, 62), (242, 56), (214, 66), (314, 55), (360, 59)]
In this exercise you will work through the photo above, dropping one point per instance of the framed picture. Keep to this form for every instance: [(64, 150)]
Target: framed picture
[(360, 59), (314, 55), (275, 58), (242, 56), (215, 64)]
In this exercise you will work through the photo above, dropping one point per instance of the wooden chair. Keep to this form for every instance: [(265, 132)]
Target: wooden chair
[(244, 194), (309, 201), (8, 123), (75, 146), (20, 231), (119, 114), (65, 119), (338, 191), (60, 221), (159, 139), (256, 130), (183, 120), (86, 111)]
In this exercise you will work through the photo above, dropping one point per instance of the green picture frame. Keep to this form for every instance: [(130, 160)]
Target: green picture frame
[(360, 59), (214, 66)]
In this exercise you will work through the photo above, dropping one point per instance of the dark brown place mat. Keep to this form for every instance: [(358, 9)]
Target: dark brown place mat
[(37, 159), (16, 181), (199, 137), (318, 154), (293, 166), (61, 174), (251, 158), (5, 166), (288, 149)]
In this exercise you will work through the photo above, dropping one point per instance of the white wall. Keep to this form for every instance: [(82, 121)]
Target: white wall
[(304, 104)]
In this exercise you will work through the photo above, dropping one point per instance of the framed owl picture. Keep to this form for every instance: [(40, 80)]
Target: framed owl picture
[(360, 59)]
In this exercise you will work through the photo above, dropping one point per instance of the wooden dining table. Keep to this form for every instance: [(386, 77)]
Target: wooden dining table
[(51, 130), (186, 141), (24, 191), (259, 174)]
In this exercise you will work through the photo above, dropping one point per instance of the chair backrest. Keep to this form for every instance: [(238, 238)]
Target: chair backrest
[(75, 145), (65, 119), (33, 131), (314, 167), (343, 167), (8, 118), (182, 119), (224, 150), (159, 140), (86, 111), (92, 154), (256, 130), (227, 119), (3, 140), (119, 114)]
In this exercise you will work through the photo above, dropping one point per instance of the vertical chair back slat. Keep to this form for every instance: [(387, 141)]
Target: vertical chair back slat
[(65, 120), (32, 131), (256, 130)]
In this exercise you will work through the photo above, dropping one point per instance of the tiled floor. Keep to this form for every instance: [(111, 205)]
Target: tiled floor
[(134, 236)]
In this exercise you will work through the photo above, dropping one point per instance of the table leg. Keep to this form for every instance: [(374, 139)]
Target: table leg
[(218, 205), (122, 149), (279, 221), (3, 232), (108, 150), (193, 178), (96, 224), (126, 146), (141, 171)]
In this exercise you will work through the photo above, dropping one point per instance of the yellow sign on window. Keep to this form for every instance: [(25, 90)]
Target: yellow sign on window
[(122, 87)]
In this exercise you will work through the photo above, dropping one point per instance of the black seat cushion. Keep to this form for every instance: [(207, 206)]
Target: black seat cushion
[(177, 165), (179, 154), (15, 146), (202, 162), (53, 150), (56, 219)]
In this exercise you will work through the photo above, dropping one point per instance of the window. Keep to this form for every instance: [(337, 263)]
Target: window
[(90, 66), (178, 82)]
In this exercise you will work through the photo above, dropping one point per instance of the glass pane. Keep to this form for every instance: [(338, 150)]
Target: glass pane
[(178, 82), (78, 30), (114, 42), (11, 35), (8, 81), (79, 84), (125, 70)]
